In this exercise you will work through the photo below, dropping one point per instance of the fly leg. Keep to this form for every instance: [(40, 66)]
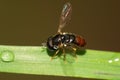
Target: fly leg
[(74, 49), (64, 55), (55, 54)]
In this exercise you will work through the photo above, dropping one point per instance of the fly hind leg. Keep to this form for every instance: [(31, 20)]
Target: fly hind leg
[(74, 49), (64, 55)]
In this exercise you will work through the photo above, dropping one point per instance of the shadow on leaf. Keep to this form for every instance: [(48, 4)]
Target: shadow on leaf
[(78, 52)]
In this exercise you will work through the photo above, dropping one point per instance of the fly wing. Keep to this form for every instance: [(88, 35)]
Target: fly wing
[(65, 16)]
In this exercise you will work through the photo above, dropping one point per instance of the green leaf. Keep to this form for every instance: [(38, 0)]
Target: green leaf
[(37, 60)]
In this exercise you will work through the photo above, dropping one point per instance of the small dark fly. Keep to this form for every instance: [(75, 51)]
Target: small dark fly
[(61, 40)]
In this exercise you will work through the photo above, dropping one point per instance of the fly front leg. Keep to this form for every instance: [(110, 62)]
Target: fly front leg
[(55, 54)]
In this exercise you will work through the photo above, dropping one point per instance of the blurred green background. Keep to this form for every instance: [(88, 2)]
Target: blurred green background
[(31, 22)]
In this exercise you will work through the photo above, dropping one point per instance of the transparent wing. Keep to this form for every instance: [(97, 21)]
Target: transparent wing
[(65, 16)]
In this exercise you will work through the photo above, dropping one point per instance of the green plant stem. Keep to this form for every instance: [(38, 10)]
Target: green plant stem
[(36, 60)]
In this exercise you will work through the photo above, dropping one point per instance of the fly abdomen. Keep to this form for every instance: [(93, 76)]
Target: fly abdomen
[(67, 38), (79, 41), (70, 38)]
